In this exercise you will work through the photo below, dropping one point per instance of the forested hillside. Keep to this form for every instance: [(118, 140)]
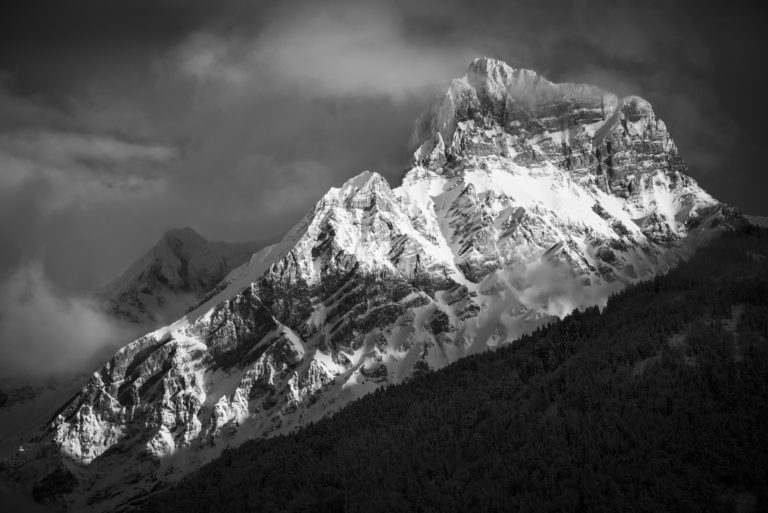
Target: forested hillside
[(659, 403)]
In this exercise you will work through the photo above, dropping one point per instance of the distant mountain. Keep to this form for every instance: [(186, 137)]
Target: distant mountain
[(159, 287), (758, 221), (172, 276), (526, 199), (659, 403)]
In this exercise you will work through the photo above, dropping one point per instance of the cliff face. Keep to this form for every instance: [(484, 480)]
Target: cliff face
[(516, 114), (526, 199)]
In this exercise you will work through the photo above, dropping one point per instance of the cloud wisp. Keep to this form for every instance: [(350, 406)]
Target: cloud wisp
[(46, 335), (77, 167)]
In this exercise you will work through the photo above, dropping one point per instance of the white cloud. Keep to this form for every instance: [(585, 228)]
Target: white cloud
[(348, 49), (555, 285)]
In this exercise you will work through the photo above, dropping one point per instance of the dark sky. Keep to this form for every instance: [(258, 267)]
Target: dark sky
[(120, 119)]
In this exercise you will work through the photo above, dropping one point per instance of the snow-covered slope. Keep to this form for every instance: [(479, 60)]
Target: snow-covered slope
[(172, 276), (526, 199)]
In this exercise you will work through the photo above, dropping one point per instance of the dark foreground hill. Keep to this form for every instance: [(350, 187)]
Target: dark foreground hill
[(659, 403)]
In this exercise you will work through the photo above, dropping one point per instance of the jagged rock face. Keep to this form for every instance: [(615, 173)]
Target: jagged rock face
[(545, 198), (173, 276)]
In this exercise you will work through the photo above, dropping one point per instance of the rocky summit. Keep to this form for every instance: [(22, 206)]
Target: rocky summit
[(526, 199)]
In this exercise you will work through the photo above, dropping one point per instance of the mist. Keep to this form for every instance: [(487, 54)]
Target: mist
[(46, 335), (554, 284)]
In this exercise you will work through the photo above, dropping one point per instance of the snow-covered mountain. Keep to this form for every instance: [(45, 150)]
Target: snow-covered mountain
[(526, 199), (172, 276)]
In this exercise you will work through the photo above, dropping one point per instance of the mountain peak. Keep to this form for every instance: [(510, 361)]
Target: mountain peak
[(185, 235), (361, 191), (172, 276), (496, 78), (498, 69), (361, 180), (522, 104)]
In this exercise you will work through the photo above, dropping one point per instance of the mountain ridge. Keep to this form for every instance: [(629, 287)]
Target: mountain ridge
[(657, 403), (524, 212)]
